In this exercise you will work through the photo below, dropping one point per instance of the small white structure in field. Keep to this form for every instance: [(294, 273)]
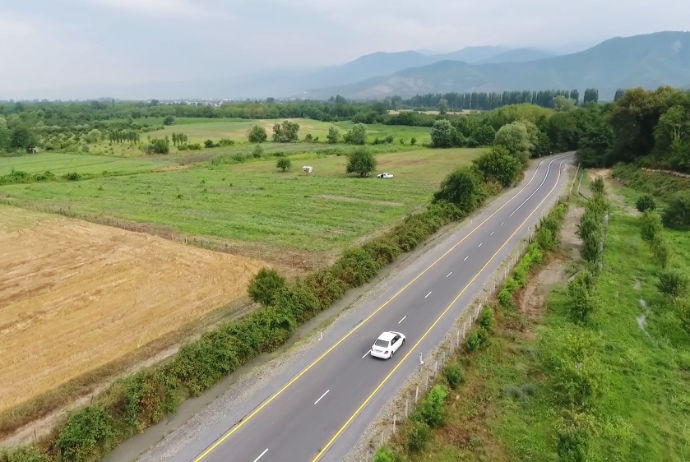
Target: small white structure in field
[(306, 169)]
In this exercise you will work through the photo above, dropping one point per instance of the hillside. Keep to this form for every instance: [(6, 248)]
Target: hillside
[(517, 56), (645, 60)]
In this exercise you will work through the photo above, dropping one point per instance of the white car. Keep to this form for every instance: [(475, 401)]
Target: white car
[(387, 344), (384, 175)]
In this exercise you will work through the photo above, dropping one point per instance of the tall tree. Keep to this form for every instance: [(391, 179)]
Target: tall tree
[(443, 107)]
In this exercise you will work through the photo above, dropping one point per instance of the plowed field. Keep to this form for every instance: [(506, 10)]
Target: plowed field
[(75, 296)]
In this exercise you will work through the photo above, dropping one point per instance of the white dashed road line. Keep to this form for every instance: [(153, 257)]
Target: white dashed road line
[(317, 401), (262, 454)]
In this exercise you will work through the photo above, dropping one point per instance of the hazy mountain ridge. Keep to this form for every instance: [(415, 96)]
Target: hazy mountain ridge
[(275, 82), (517, 56), (648, 61)]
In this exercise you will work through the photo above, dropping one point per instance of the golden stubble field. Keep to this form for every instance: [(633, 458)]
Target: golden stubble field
[(75, 296)]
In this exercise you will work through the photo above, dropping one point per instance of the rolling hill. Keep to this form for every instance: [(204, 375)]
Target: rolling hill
[(647, 61), (517, 56)]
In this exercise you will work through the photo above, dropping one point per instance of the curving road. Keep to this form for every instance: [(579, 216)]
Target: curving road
[(320, 411)]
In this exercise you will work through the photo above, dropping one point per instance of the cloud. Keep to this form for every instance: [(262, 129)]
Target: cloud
[(59, 42), (179, 8)]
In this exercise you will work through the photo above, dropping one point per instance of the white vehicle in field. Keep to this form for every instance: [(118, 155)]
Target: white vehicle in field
[(387, 344), (385, 176)]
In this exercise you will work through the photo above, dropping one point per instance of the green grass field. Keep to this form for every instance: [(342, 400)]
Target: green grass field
[(199, 130), (236, 129), (60, 163), (255, 202), (505, 410)]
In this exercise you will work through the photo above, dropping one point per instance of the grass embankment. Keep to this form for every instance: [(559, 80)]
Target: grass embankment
[(134, 403), (255, 202), (614, 385), (660, 185)]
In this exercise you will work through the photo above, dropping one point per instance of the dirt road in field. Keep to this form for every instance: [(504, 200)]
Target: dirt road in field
[(75, 296)]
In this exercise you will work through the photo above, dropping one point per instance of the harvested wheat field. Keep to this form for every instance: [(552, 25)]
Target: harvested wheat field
[(75, 296)]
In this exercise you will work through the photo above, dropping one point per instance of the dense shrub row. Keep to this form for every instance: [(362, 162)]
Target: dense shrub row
[(591, 227), (137, 402)]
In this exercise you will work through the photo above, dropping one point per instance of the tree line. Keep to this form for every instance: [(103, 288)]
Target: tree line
[(487, 101)]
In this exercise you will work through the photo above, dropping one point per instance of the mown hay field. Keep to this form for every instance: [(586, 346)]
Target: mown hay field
[(75, 296), (60, 163), (237, 129)]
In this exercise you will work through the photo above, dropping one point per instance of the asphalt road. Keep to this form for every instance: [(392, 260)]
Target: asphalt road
[(319, 413)]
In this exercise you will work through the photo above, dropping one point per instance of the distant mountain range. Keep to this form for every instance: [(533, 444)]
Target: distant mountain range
[(647, 61)]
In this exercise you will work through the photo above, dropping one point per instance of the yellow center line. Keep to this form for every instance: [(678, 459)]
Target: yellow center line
[(370, 397), (317, 360)]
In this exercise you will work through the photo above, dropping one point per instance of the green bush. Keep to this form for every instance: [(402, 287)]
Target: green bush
[(598, 185), (84, 432), (432, 409), (257, 134), (650, 225), (283, 163), (383, 250), (677, 214), (571, 358), (645, 202), (486, 319), (672, 282), (258, 153), (356, 267), (463, 187), (660, 252), (209, 144), (383, 454), (265, 285), (498, 164), (418, 436), (27, 454), (574, 433), (356, 135), (583, 299), (505, 298), (72, 176), (474, 340), (361, 161), (682, 309), (158, 146), (453, 374)]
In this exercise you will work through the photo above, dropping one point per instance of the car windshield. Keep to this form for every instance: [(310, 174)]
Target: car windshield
[(381, 343)]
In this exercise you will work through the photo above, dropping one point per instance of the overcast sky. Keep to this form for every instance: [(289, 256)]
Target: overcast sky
[(48, 44)]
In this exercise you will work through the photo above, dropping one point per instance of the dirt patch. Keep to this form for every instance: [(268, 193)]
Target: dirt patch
[(532, 300), (570, 241), (354, 199), (174, 167), (605, 174), (76, 296)]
